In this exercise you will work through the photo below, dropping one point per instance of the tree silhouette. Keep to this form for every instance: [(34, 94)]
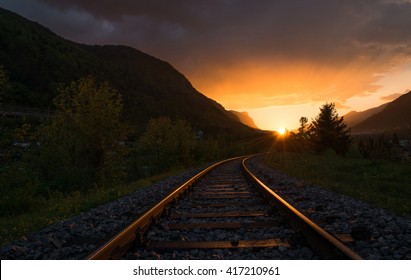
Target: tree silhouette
[(328, 130), (302, 130)]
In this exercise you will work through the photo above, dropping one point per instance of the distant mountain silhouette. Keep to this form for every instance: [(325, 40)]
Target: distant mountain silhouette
[(395, 116), (37, 61), (244, 117), (353, 118)]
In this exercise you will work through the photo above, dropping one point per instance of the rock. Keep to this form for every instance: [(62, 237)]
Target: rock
[(306, 253), (361, 233), (282, 249)]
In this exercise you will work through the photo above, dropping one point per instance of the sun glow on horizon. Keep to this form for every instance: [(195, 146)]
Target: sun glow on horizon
[(274, 117), (282, 130)]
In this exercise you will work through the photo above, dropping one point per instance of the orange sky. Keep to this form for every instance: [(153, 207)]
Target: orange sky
[(277, 98)]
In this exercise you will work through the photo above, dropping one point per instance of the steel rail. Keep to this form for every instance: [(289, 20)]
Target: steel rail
[(323, 243), (120, 243)]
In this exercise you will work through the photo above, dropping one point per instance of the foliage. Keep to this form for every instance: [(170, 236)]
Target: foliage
[(3, 78), (79, 146), (4, 84), (19, 194), (210, 149), (302, 130), (380, 147), (328, 130), (169, 143)]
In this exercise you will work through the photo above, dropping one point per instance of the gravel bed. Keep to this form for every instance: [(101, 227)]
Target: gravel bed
[(78, 236), (378, 233)]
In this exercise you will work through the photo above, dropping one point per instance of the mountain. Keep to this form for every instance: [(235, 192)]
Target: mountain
[(353, 118), (244, 117), (395, 116), (37, 61)]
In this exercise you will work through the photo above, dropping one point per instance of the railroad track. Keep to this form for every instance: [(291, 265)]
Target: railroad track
[(225, 207)]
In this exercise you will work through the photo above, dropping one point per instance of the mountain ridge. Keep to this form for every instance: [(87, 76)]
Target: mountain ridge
[(396, 115), (37, 61), (353, 118), (245, 118)]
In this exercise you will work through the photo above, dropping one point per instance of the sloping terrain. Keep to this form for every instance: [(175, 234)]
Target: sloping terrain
[(396, 115), (353, 118), (37, 61)]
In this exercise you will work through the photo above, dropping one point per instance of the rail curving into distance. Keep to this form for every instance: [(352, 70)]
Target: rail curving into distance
[(324, 244)]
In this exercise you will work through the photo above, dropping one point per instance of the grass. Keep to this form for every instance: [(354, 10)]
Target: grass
[(384, 183), (60, 207)]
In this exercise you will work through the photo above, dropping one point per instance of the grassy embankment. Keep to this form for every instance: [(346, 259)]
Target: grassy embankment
[(384, 183), (61, 207)]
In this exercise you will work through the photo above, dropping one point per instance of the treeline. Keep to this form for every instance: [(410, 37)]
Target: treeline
[(329, 131), (326, 131), (383, 146), (87, 145)]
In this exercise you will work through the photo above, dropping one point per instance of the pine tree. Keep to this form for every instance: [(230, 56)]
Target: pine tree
[(328, 130)]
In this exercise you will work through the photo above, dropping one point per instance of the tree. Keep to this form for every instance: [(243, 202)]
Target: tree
[(328, 130), (183, 142), (156, 141), (302, 132), (85, 136), (170, 143)]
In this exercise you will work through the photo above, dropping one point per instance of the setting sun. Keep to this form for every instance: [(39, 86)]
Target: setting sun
[(281, 130)]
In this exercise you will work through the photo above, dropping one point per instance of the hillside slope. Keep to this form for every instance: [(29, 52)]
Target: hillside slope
[(396, 115), (245, 118), (37, 61), (353, 118)]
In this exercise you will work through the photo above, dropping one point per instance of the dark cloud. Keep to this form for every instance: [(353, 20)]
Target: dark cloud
[(217, 43), (390, 24), (298, 29), (74, 24)]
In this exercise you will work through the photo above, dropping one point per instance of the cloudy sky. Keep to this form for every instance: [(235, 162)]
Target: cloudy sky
[(277, 59)]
